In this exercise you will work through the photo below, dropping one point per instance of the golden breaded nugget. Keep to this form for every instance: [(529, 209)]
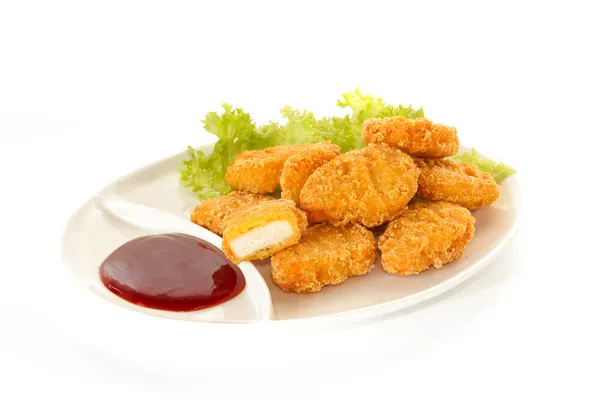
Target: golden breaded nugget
[(299, 167), (258, 171), (258, 231), (425, 234), (325, 255), (419, 137), (456, 182), (211, 213), (370, 186)]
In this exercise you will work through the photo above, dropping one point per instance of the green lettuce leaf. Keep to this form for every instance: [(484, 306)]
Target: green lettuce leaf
[(367, 106), (205, 175), (499, 171), (347, 130), (236, 131)]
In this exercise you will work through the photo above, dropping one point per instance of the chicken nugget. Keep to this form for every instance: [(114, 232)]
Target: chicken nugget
[(370, 186), (258, 171), (419, 137), (325, 255), (211, 213), (259, 231), (456, 182), (299, 167), (425, 234)]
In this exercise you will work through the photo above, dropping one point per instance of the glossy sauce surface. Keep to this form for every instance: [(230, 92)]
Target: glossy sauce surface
[(173, 272)]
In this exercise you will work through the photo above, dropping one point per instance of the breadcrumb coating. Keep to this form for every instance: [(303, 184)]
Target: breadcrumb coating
[(425, 234), (259, 171), (419, 137), (325, 255), (248, 218), (299, 167), (456, 182), (211, 213), (370, 186)]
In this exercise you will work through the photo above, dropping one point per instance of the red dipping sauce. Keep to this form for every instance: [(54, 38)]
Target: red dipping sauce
[(173, 272)]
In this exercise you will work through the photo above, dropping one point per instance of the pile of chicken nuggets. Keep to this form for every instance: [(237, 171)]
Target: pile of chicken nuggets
[(320, 232)]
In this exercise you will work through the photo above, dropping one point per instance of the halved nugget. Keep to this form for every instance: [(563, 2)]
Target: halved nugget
[(299, 167), (259, 231), (419, 137), (325, 255), (425, 234), (211, 213), (258, 171)]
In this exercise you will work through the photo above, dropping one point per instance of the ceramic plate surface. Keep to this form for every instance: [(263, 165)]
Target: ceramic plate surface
[(91, 235)]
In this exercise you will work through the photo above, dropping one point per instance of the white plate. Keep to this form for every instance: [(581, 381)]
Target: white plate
[(90, 236)]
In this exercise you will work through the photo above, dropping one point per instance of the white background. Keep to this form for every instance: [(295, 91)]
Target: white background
[(92, 90)]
